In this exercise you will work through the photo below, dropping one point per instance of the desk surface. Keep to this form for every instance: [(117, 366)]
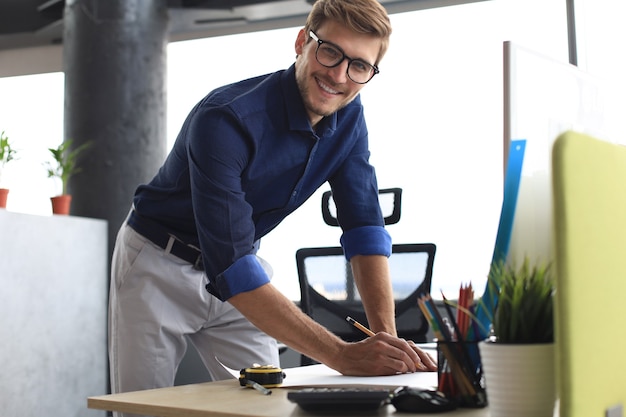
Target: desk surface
[(222, 398)]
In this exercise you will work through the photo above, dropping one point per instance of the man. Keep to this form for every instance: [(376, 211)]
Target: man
[(248, 155)]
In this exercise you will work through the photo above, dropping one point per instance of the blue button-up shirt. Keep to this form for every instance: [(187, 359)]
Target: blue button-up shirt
[(245, 158)]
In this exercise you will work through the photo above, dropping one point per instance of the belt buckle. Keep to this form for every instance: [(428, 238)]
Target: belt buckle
[(198, 264)]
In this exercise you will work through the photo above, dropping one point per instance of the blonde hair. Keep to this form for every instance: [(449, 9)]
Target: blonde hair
[(361, 16)]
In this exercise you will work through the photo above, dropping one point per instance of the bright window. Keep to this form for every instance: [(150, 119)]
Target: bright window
[(435, 119)]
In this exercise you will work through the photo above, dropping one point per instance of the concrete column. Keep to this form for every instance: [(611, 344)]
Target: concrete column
[(115, 98)]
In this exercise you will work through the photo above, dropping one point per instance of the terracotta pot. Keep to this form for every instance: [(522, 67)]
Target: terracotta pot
[(61, 204), (3, 197)]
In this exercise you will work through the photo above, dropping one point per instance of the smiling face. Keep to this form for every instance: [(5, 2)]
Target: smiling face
[(326, 90)]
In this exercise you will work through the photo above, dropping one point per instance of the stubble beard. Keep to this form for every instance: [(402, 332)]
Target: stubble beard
[(309, 102)]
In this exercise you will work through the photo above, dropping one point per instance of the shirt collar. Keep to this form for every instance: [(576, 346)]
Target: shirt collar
[(296, 113)]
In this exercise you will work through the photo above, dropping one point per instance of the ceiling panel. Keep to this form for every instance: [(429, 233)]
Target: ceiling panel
[(34, 23)]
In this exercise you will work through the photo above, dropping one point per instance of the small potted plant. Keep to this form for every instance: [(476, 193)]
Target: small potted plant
[(64, 166), (518, 357), (7, 154)]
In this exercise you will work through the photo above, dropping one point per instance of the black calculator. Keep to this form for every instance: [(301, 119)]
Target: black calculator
[(340, 398)]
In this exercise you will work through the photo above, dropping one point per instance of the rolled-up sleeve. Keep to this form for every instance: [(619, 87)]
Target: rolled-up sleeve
[(366, 240), (246, 274)]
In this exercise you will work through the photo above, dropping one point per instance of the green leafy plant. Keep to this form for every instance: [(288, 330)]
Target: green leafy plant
[(7, 153), (65, 159), (524, 311)]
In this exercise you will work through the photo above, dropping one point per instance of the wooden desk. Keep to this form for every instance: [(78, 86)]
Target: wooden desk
[(223, 398)]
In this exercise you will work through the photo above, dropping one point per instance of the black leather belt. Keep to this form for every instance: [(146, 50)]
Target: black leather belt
[(162, 239)]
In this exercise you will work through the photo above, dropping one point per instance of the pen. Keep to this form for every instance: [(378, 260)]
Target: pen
[(260, 388), (360, 326), (257, 387)]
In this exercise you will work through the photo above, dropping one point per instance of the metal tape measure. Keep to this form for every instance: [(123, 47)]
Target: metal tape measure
[(267, 376)]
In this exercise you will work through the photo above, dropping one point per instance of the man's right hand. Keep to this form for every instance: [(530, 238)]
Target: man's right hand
[(382, 354)]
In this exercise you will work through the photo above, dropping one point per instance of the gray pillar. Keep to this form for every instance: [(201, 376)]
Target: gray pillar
[(115, 85)]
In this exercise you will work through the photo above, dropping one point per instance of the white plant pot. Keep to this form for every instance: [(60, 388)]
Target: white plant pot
[(520, 379)]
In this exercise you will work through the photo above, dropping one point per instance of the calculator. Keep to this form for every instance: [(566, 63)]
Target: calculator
[(340, 398)]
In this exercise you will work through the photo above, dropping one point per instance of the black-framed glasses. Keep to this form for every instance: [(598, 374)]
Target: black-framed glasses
[(330, 56)]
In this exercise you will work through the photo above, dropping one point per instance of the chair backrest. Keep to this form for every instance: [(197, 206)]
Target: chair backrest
[(328, 293), (390, 200)]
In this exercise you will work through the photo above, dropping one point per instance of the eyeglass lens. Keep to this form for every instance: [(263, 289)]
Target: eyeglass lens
[(330, 56)]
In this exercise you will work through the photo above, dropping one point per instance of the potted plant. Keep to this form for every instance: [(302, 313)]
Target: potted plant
[(64, 166), (518, 358), (7, 154)]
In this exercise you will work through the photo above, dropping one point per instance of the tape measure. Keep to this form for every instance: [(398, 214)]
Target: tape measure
[(268, 376)]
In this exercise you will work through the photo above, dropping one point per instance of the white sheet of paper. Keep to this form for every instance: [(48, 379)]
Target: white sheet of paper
[(323, 376)]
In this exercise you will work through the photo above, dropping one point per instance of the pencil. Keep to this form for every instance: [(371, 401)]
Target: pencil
[(371, 333), (360, 326)]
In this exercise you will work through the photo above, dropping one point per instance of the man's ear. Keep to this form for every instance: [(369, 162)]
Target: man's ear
[(300, 41)]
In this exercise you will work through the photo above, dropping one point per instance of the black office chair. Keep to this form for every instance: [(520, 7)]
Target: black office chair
[(328, 293)]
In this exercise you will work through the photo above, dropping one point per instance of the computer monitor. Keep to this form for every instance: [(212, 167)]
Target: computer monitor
[(543, 98)]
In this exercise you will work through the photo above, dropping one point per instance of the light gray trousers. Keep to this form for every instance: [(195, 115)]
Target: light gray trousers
[(155, 301)]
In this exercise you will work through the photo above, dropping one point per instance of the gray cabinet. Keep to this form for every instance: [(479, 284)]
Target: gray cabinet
[(53, 314)]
